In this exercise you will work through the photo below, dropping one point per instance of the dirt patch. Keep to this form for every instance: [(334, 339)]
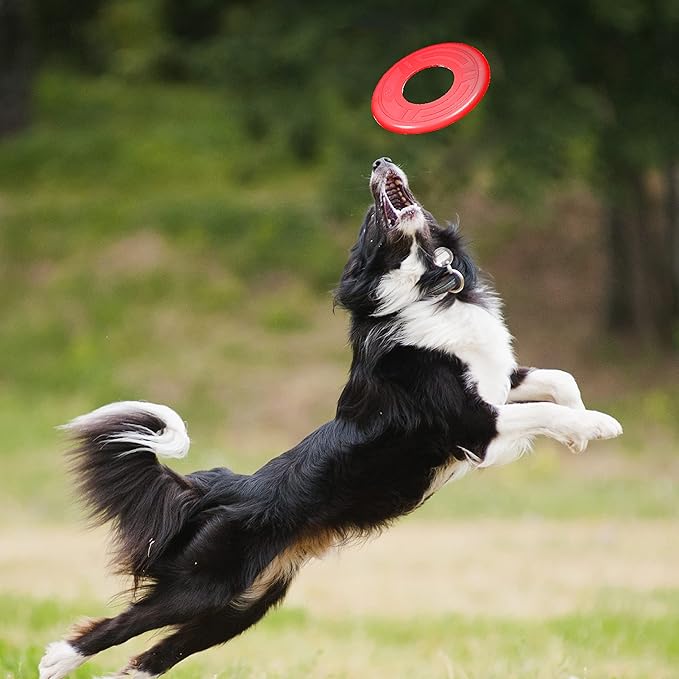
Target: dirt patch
[(139, 253), (522, 568)]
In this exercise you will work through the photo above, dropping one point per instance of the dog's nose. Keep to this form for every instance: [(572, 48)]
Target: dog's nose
[(381, 161)]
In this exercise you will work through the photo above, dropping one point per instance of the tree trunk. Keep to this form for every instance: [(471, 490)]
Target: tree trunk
[(642, 301), (620, 311), (16, 72), (672, 209)]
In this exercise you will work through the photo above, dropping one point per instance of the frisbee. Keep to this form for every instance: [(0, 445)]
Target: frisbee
[(471, 74)]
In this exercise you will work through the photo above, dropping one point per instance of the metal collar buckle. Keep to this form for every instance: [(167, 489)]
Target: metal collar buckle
[(443, 258)]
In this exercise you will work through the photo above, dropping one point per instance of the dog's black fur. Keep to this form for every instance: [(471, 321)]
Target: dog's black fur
[(212, 551)]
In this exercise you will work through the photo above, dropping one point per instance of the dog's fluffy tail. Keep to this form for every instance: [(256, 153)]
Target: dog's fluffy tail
[(121, 480)]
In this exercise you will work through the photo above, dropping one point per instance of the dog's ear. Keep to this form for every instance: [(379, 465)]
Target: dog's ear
[(353, 289), (356, 262), (353, 283)]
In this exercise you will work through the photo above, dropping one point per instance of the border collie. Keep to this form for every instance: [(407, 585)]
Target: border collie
[(434, 391)]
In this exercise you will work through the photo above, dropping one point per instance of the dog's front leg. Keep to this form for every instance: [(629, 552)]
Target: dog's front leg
[(539, 384), (518, 424)]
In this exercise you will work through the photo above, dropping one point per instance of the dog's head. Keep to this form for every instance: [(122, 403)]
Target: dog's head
[(398, 259)]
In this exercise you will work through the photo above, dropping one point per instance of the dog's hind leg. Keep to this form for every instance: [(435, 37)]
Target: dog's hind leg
[(202, 632), (91, 637)]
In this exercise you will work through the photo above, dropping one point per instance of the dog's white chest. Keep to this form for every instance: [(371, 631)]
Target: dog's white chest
[(478, 337)]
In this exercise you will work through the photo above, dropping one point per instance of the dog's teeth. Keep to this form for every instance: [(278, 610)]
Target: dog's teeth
[(395, 198)]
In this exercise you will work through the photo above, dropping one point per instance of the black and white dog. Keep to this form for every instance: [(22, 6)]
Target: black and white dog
[(434, 391)]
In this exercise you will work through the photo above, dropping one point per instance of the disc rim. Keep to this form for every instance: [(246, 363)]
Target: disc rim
[(471, 78)]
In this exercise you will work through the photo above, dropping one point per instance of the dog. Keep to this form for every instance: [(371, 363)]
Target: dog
[(434, 391)]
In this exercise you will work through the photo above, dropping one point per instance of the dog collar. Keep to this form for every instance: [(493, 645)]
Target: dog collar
[(454, 282)]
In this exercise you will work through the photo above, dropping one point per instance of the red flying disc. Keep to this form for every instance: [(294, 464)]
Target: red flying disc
[(471, 74)]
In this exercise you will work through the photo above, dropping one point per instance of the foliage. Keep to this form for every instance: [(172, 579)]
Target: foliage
[(560, 72), (586, 89)]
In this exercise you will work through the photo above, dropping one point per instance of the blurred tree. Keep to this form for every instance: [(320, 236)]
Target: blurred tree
[(192, 20), (588, 88), (633, 59), (61, 28), (608, 73), (16, 67)]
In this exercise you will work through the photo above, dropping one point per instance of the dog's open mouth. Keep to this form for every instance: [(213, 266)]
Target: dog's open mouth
[(392, 195), (396, 199)]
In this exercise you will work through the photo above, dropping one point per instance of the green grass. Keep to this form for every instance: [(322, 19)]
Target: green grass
[(105, 159), (609, 641), (125, 201)]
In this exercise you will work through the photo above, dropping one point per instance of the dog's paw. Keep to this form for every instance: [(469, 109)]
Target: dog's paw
[(129, 673), (593, 425), (577, 446), (59, 660), (602, 426)]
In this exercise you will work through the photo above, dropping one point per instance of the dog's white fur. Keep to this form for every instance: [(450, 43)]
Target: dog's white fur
[(519, 423), (548, 385), (398, 288), (475, 334), (172, 441), (129, 674), (60, 658), (471, 332)]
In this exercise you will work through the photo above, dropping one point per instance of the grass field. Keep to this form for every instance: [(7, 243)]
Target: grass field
[(550, 568), (132, 218), (501, 598)]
